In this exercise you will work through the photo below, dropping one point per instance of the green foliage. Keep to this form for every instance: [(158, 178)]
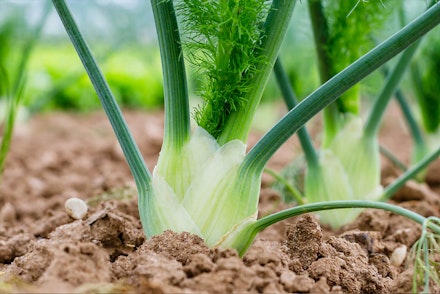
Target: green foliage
[(13, 73), (135, 78), (424, 256), (222, 38), (426, 76), (6, 31), (351, 24)]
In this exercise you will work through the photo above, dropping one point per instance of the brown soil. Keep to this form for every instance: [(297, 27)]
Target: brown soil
[(44, 250)]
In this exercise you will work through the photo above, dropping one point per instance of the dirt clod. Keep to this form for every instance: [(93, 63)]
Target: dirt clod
[(303, 242)]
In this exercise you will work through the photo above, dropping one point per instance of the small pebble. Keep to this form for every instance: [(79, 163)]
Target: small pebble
[(76, 208), (8, 213), (398, 255)]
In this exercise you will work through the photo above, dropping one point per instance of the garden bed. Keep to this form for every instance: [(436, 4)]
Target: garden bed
[(58, 156)]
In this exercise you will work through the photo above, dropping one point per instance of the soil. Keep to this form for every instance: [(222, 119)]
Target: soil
[(44, 250)]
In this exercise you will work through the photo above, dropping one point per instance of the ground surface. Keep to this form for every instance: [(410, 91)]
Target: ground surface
[(58, 156)]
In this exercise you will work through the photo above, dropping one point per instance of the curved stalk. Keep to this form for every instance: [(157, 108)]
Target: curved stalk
[(264, 222), (134, 158), (332, 89), (269, 220)]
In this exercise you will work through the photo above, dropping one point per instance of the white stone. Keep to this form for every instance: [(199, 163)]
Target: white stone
[(76, 208), (398, 255)]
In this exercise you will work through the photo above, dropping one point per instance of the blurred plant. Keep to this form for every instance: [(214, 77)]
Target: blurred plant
[(424, 131), (12, 80), (425, 73), (137, 86), (337, 172), (342, 32)]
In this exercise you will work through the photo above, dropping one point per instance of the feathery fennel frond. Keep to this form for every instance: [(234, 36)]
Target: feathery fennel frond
[(222, 39), (425, 257), (351, 24)]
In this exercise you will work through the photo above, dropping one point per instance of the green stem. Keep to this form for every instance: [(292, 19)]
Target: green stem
[(250, 233), (374, 119), (291, 101), (137, 165), (321, 35), (391, 157), (321, 206), (292, 190), (420, 146), (177, 122), (414, 128), (410, 119), (274, 29), (332, 89), (410, 173), (427, 266)]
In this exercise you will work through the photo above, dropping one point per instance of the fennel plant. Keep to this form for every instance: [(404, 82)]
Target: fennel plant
[(205, 182), (424, 133), (13, 78), (425, 74), (347, 166)]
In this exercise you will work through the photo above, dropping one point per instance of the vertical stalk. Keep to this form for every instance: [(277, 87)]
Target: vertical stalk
[(291, 101), (134, 158), (420, 147), (321, 36), (376, 114), (177, 123), (274, 30)]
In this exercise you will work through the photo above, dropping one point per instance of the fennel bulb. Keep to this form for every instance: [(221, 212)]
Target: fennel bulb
[(200, 189), (349, 169)]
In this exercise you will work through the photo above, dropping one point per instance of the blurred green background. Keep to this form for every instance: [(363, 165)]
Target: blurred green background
[(122, 36)]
